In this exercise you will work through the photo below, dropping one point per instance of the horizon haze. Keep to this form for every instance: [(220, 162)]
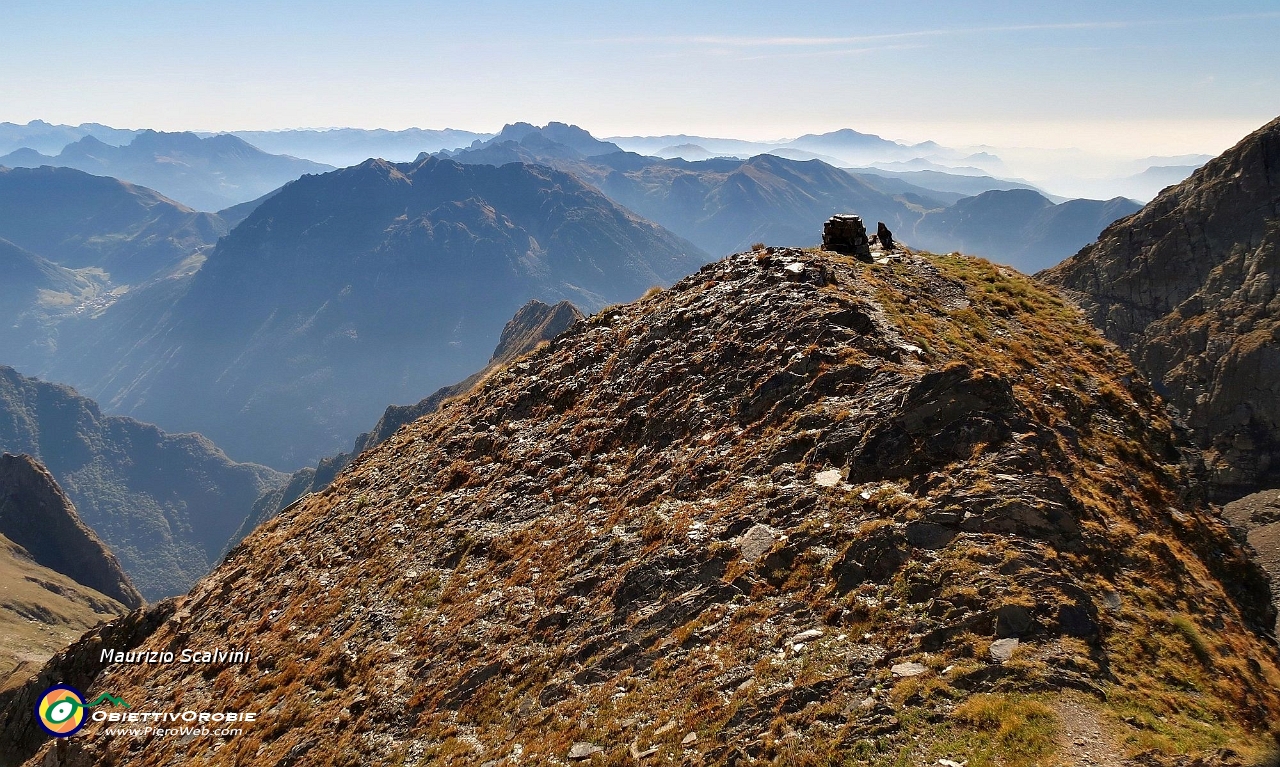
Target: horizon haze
[(1140, 79)]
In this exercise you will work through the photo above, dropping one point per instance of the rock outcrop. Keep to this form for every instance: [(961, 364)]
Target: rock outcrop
[(39, 517), (794, 508), (1188, 286), (1258, 516), (883, 236)]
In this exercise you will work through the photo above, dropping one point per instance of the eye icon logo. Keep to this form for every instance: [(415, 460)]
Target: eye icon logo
[(60, 710)]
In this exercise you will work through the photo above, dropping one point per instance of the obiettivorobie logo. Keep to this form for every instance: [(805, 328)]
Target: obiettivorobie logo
[(62, 712), (61, 709)]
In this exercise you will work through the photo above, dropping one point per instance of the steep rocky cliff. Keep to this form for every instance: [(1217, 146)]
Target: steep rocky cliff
[(795, 508), (1188, 286), (1258, 516), (39, 517), (56, 578)]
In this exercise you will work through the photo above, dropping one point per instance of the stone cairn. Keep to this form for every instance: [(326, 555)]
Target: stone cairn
[(845, 234)]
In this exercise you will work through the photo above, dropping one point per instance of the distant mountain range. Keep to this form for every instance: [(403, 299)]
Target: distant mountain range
[(71, 244), (720, 205), (165, 503), (548, 137), (1064, 170), (1146, 184), (48, 138), (79, 220), (964, 185), (341, 147), (845, 145), (1018, 227), (373, 284), (205, 173), (724, 204)]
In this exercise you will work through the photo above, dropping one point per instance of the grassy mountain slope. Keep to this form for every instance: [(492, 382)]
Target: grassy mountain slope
[(41, 612), (796, 509)]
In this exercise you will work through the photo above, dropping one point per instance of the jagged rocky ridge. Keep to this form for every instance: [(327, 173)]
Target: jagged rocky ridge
[(57, 579), (1188, 286), (796, 507), (533, 324), (39, 517)]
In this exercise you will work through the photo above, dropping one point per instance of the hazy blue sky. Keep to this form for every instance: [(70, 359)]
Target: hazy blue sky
[(1171, 76)]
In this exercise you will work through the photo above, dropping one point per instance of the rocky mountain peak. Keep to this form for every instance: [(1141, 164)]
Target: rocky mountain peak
[(534, 322), (39, 517), (794, 507), (1188, 286)]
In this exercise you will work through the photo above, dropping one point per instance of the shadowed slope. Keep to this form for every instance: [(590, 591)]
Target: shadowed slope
[(1190, 287)]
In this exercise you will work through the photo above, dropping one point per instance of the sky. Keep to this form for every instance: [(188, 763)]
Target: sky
[(1133, 78)]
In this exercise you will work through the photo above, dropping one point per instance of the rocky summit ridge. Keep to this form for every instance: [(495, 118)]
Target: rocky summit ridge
[(796, 509)]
